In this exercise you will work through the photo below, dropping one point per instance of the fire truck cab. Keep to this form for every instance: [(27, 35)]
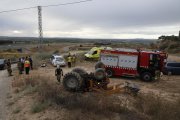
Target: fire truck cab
[(131, 62)]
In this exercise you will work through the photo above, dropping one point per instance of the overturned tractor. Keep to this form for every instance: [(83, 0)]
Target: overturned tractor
[(79, 80)]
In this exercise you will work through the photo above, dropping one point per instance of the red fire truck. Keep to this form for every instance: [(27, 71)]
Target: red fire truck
[(131, 62)]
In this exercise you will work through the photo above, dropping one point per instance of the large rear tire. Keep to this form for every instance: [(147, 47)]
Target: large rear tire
[(72, 81)]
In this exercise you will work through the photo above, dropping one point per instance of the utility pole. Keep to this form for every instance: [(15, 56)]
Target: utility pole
[(40, 25)]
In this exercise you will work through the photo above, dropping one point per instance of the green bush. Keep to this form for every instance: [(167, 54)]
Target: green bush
[(56, 52), (39, 106), (39, 58), (42, 56)]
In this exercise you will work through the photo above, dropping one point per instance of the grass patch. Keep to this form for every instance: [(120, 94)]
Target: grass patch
[(158, 108), (17, 110), (145, 107), (97, 104), (30, 89), (39, 106), (10, 103)]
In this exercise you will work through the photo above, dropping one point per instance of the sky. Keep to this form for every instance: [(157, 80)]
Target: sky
[(121, 19)]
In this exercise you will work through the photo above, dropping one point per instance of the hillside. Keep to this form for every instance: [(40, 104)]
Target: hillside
[(8, 40), (169, 44)]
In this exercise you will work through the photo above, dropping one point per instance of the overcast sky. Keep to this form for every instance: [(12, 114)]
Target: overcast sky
[(95, 19)]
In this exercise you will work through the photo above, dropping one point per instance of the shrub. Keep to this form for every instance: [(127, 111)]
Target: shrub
[(10, 103), (36, 63), (157, 108), (56, 52), (24, 82), (39, 106), (98, 104), (16, 110), (31, 89), (40, 58)]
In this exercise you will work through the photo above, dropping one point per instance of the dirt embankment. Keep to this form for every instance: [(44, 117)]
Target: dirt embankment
[(5, 89)]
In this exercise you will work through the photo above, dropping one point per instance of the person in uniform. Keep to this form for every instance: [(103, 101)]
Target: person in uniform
[(74, 60), (31, 62), (58, 73), (9, 70), (27, 65), (69, 59), (19, 66)]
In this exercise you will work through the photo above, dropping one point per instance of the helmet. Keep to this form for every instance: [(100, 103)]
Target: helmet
[(58, 66)]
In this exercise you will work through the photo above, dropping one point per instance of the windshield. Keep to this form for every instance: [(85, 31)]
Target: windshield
[(59, 59), (154, 60), (91, 52), (1, 61)]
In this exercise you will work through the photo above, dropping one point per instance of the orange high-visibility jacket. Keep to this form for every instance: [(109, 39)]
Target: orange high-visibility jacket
[(26, 63)]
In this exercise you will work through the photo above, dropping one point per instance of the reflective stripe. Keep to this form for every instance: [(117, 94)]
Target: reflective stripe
[(26, 63), (124, 68)]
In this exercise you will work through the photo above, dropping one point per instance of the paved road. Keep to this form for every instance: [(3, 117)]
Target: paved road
[(5, 83)]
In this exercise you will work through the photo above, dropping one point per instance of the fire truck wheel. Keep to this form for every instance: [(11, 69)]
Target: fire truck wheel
[(79, 71), (72, 81), (146, 76), (100, 74), (110, 72)]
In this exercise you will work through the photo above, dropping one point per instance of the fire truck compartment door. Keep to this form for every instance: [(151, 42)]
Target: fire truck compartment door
[(109, 60), (128, 61)]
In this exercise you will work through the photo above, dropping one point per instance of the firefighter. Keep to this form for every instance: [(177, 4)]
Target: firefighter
[(19, 65), (69, 61), (9, 70), (58, 73), (74, 60), (31, 62), (27, 65)]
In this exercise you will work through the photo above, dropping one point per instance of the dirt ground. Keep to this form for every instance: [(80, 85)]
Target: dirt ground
[(167, 87), (19, 104), (5, 91)]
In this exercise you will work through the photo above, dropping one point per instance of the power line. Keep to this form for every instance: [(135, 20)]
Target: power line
[(61, 4), (40, 14), (17, 9), (70, 3)]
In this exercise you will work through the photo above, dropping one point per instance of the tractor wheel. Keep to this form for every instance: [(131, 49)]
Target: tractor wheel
[(110, 72), (80, 71), (72, 81), (99, 65), (100, 74), (146, 76)]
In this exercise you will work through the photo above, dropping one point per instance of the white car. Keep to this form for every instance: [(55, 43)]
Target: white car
[(57, 60)]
